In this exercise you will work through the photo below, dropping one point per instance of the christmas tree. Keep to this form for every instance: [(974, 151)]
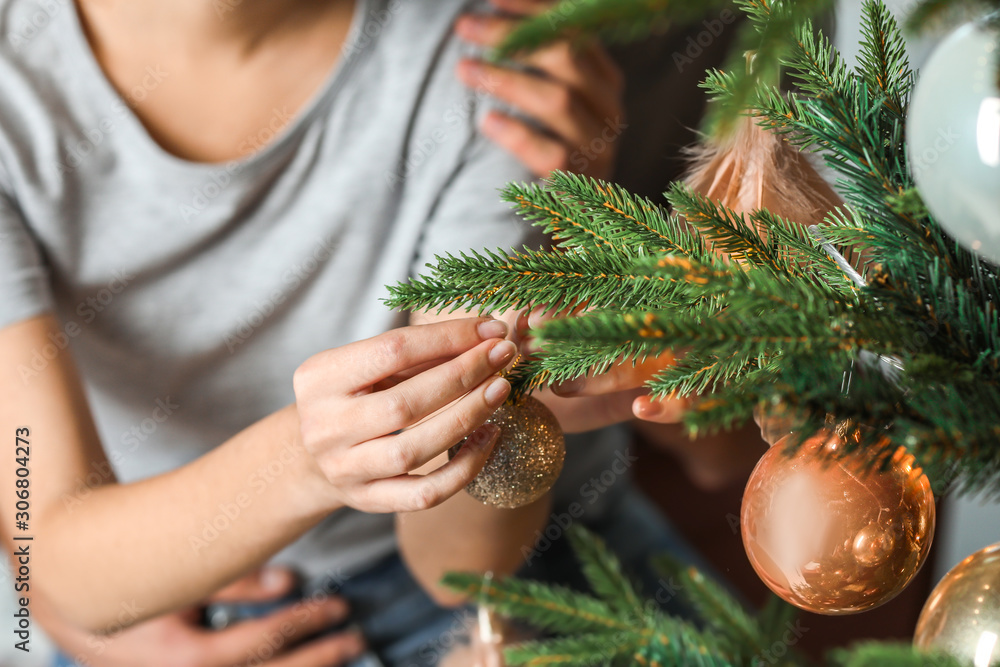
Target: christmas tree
[(774, 315)]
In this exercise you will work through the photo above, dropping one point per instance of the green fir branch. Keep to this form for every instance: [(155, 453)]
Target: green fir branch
[(727, 230), (815, 65), (776, 320), (694, 375), (496, 281), (871, 654), (585, 650), (634, 223), (775, 619), (551, 608), (617, 20), (883, 61), (604, 573), (570, 360), (723, 614)]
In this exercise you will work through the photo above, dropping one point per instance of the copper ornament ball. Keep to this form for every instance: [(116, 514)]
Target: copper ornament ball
[(962, 615), (829, 537), (527, 458)]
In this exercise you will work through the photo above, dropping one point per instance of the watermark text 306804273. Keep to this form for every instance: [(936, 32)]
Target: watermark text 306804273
[(20, 563)]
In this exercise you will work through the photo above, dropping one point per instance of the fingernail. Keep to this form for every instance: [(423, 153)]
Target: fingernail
[(497, 392), (274, 579), (502, 352), (642, 408), (494, 123), (663, 411), (492, 329), (484, 435), (470, 72), (537, 317), (522, 325), (355, 641), (336, 609), (568, 387), (470, 27)]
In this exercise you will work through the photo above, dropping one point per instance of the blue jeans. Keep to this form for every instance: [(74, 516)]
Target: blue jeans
[(405, 628)]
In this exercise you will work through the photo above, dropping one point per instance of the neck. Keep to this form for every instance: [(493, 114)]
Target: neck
[(243, 23)]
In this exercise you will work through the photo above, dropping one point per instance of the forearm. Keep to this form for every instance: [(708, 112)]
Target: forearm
[(463, 534), (126, 552)]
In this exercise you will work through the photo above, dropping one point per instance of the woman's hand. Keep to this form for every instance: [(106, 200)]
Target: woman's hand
[(373, 411), (574, 91)]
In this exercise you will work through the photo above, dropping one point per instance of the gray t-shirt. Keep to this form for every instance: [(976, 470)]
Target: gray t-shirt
[(189, 292)]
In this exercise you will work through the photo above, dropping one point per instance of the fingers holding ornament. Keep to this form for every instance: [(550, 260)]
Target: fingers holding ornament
[(526, 459)]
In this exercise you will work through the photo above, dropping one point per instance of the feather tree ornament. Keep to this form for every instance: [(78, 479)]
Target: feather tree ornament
[(752, 168)]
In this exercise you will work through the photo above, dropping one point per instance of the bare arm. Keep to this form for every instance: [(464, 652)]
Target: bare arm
[(91, 545), (145, 545), (462, 533)]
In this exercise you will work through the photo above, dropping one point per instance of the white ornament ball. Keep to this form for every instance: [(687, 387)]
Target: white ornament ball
[(953, 138)]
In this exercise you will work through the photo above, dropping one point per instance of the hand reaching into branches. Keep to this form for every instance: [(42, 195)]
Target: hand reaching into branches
[(619, 395)]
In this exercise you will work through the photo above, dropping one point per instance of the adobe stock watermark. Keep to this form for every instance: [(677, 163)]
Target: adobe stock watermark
[(372, 28), (585, 155), (77, 152), (273, 642), (696, 44), (229, 512), (88, 310), (432, 652), (591, 491), (292, 278), (221, 178), (454, 119), (774, 653), (98, 643), (102, 472), (35, 22), (945, 139)]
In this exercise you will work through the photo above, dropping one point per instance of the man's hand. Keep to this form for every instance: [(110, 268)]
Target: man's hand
[(283, 638)]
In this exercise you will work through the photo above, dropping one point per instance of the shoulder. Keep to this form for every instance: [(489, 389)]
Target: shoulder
[(39, 91), (414, 21), (29, 29)]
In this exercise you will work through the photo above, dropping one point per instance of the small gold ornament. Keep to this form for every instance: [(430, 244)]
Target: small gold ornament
[(830, 537), (962, 615), (527, 459)]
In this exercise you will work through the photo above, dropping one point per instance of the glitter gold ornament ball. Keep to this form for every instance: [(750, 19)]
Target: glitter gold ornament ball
[(830, 537), (526, 459), (962, 615)]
